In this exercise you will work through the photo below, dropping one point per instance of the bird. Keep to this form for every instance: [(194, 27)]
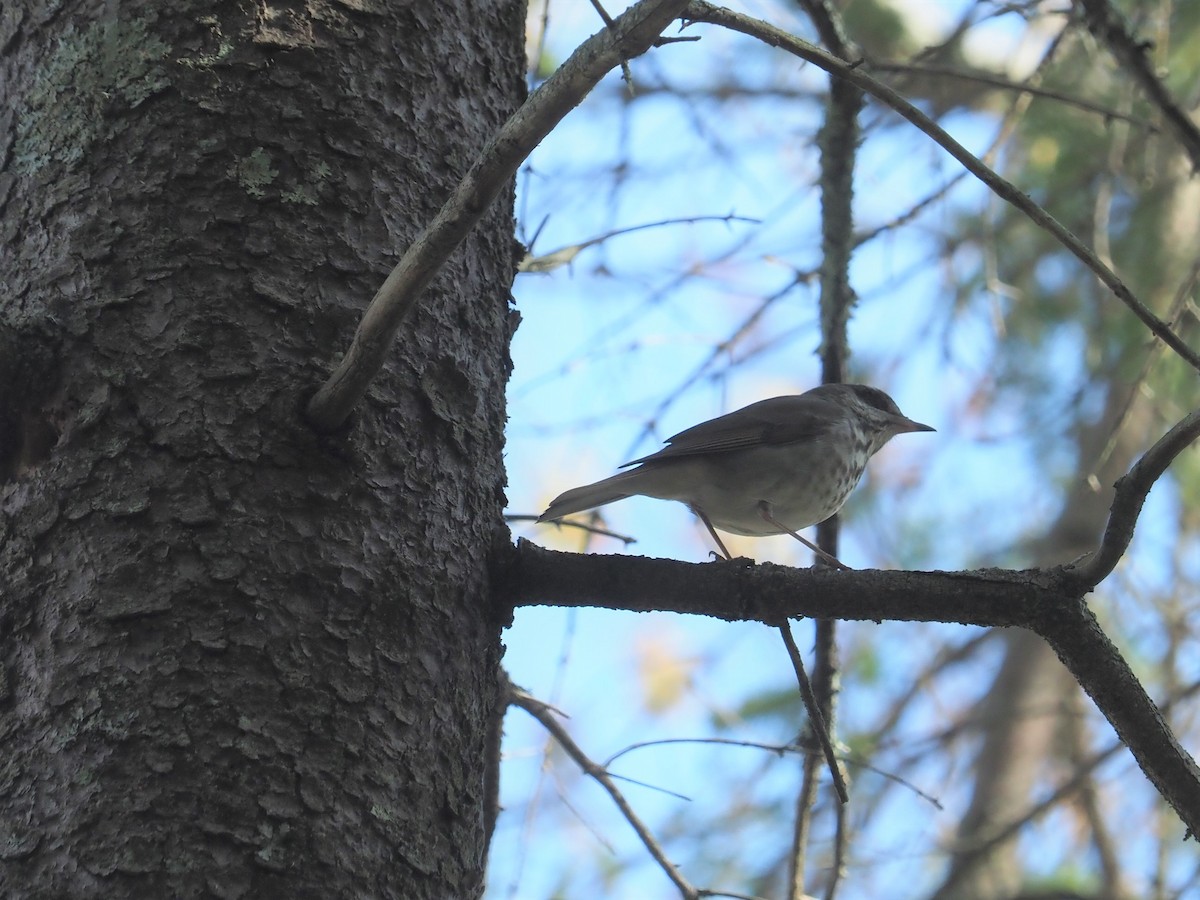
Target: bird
[(773, 467)]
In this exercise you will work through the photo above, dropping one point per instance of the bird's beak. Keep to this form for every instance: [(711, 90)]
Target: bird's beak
[(904, 425)]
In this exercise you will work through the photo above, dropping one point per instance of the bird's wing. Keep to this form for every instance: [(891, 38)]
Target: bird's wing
[(780, 420)]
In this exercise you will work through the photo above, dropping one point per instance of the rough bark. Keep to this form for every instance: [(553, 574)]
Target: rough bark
[(239, 659)]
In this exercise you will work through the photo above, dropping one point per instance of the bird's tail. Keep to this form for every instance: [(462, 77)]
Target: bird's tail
[(590, 496)]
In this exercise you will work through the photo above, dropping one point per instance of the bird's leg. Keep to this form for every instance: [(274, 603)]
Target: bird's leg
[(764, 510), (707, 524)]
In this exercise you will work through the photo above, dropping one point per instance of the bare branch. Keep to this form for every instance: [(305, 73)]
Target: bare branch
[(699, 11), (741, 590), (544, 714), (816, 719), (1105, 23), (780, 750), (1046, 602), (548, 262), (1102, 672), (1132, 490), (630, 35), (608, 20), (1006, 84), (568, 523)]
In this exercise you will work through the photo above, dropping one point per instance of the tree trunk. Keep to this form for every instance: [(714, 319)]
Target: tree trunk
[(241, 659)]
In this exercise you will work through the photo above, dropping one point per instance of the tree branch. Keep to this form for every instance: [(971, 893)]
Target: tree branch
[(699, 11), (739, 590), (631, 34), (1132, 489), (544, 714), (959, 73), (1047, 602), (816, 717), (1097, 665), (1105, 23)]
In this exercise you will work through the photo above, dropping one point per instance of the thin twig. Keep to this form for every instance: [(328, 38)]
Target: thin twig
[(543, 714), (548, 262), (626, 75), (816, 720), (780, 750), (631, 34), (959, 73), (1182, 297), (743, 329), (911, 213), (699, 11), (583, 526)]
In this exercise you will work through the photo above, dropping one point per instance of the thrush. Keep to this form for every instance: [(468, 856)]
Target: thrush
[(773, 467)]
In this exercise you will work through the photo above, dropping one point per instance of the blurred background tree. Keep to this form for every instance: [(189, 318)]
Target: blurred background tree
[(978, 768)]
